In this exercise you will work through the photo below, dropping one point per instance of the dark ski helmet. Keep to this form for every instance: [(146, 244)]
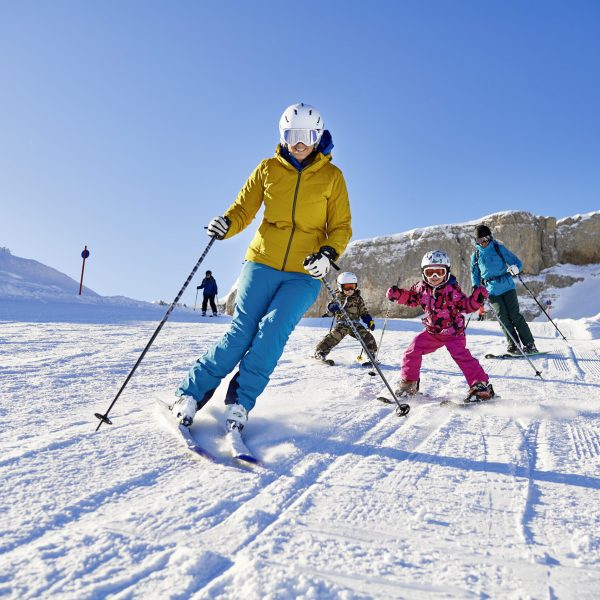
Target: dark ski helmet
[(482, 231)]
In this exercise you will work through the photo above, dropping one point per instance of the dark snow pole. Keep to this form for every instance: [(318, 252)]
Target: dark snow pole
[(84, 255), (538, 373), (104, 418), (401, 409), (543, 309)]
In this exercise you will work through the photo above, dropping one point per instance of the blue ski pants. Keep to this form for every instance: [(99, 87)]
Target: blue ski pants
[(269, 305)]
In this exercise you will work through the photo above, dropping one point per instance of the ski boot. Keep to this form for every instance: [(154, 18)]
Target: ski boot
[(236, 416), (407, 388), (530, 348), (513, 349), (323, 358), (479, 392), (184, 410)]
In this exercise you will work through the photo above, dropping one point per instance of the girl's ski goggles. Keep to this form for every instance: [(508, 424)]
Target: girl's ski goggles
[(346, 287), (431, 271), (484, 240), (309, 137)]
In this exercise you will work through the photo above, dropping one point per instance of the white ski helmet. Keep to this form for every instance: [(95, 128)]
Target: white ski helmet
[(436, 258), (346, 277), (301, 123)]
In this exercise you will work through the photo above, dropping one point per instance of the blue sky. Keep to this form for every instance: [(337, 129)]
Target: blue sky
[(127, 125)]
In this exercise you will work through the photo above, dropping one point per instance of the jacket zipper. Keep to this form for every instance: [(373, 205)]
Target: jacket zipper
[(293, 221)]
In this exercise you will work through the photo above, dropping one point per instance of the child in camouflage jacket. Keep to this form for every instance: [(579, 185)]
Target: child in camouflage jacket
[(347, 296)]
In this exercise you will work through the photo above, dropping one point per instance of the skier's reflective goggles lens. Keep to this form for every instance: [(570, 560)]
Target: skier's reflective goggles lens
[(348, 286), (431, 271), (484, 240), (309, 137)]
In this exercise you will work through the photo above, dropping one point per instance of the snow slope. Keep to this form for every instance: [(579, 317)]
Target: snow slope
[(497, 501), (32, 291)]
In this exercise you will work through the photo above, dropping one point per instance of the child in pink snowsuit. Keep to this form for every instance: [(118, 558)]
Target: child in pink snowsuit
[(444, 302)]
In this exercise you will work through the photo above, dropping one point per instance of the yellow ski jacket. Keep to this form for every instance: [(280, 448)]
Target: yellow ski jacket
[(304, 210)]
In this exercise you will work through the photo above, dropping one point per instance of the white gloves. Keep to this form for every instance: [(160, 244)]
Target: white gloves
[(319, 263), (513, 269), (218, 227)]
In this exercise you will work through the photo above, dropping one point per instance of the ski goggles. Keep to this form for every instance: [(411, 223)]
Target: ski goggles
[(346, 287), (309, 137), (482, 241), (431, 271)]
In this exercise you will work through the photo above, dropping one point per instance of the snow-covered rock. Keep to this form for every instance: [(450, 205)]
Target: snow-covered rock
[(540, 242)]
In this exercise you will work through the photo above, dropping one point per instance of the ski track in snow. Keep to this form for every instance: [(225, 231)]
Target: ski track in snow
[(498, 500)]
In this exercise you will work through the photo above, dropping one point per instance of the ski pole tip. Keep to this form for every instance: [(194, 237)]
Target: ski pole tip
[(103, 419), (402, 410)]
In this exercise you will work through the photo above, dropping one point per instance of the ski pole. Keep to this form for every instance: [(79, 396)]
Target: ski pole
[(104, 418), (543, 309), (401, 409), (538, 373), (387, 314), (468, 321)]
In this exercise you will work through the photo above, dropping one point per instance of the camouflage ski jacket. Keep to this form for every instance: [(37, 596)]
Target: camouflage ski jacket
[(354, 305)]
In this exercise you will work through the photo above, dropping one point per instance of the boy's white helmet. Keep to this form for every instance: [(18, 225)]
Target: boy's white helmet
[(346, 277), (301, 123), (436, 257)]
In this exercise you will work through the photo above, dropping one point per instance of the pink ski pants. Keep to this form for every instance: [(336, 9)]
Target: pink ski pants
[(426, 343)]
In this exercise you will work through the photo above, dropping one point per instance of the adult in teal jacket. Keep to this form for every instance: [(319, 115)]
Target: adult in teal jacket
[(494, 266)]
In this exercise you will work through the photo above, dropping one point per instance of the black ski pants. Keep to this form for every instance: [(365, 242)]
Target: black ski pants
[(205, 300), (507, 307)]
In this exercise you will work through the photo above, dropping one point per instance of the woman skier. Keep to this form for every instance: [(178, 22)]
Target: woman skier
[(444, 302), (305, 225)]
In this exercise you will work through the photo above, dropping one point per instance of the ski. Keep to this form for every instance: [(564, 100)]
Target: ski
[(326, 361), (239, 450), (466, 403), (183, 433), (506, 355)]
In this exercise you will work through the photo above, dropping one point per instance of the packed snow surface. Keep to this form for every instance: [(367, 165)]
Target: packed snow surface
[(351, 501)]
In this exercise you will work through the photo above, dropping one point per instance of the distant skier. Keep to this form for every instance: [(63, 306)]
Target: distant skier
[(305, 225), (347, 296), (494, 266), (209, 291), (440, 296)]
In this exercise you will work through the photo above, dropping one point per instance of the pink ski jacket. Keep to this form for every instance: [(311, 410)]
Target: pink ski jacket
[(443, 306)]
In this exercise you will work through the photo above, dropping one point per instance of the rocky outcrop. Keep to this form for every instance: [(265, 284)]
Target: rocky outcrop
[(577, 239), (540, 242)]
